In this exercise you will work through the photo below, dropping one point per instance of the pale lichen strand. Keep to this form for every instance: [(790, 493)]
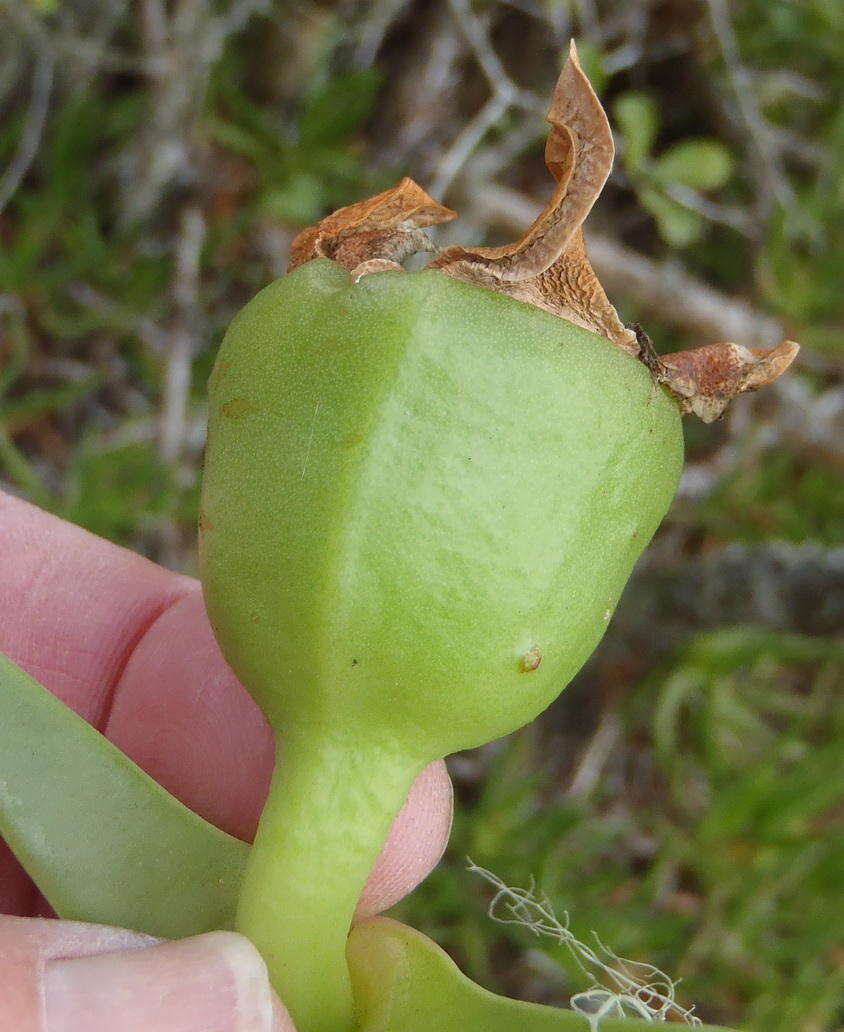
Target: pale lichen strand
[(548, 266)]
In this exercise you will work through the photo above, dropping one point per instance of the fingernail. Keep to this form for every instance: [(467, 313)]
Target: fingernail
[(210, 982)]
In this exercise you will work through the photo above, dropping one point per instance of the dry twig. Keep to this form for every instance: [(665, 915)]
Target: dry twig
[(185, 335), (769, 174), (42, 84)]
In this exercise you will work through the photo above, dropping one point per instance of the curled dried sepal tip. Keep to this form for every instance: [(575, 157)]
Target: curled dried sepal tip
[(375, 234), (705, 380), (548, 267)]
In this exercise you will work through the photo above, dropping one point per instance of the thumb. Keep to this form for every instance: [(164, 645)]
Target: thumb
[(65, 977)]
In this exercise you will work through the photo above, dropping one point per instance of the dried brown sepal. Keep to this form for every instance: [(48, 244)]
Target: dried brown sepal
[(386, 228), (548, 266), (704, 380)]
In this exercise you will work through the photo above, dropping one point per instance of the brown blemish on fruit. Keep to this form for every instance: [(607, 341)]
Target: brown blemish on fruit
[(254, 618), (236, 408), (204, 523), (352, 440), (530, 660), (221, 367)]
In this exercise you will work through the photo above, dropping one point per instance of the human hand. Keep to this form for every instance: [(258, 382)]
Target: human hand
[(127, 645)]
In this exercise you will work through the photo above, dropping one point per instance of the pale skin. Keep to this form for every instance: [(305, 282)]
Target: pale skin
[(127, 645)]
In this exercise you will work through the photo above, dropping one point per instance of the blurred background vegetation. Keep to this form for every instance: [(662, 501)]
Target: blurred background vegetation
[(684, 796)]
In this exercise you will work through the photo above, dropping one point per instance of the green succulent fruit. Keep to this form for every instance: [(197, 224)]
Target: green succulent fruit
[(421, 502), (423, 495), (420, 505)]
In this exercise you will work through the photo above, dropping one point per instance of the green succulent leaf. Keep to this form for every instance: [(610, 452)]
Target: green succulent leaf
[(102, 840), (339, 108), (637, 119), (404, 982), (677, 225), (700, 164), (296, 201)]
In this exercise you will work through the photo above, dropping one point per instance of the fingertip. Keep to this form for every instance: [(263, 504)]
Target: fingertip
[(180, 713), (282, 1022), (27, 945), (73, 605), (415, 844), (217, 980)]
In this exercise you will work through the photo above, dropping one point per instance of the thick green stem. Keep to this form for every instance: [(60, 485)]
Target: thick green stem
[(331, 803)]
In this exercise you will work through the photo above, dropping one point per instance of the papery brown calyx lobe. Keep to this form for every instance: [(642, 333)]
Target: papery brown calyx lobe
[(548, 267)]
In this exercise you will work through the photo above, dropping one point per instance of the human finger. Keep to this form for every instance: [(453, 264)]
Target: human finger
[(63, 977), (167, 698)]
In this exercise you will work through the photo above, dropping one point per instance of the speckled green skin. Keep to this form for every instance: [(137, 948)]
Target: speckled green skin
[(410, 483), (414, 490)]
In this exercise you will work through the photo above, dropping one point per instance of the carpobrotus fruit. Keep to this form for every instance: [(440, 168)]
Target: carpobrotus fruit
[(423, 495)]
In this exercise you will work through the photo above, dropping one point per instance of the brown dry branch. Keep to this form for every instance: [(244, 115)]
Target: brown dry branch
[(768, 173), (185, 334), (774, 586), (42, 84)]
